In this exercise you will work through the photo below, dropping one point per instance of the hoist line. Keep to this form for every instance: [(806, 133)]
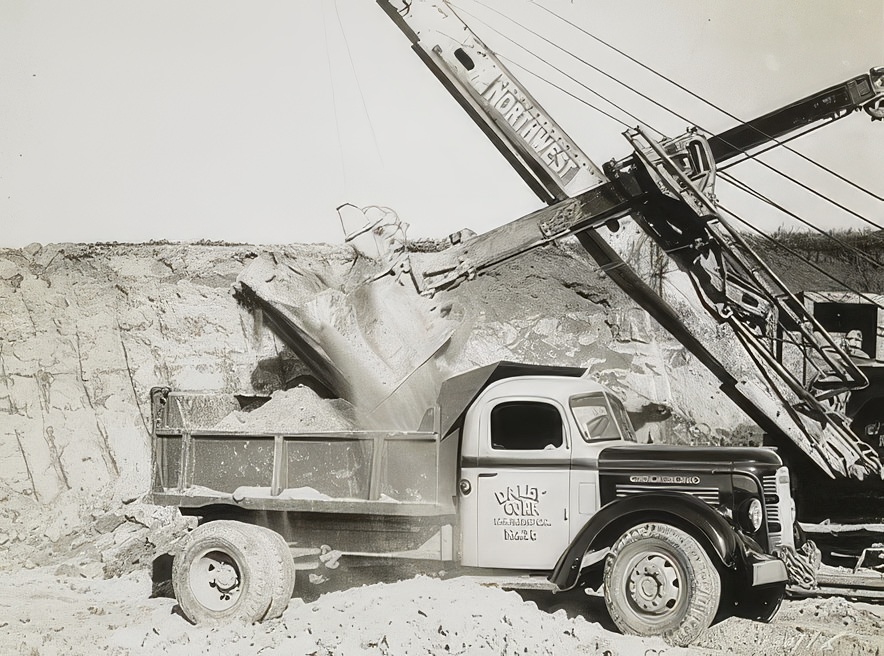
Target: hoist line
[(558, 47), (358, 85), (569, 93), (742, 186), (736, 183), (567, 75), (331, 81), (706, 101), (727, 177), (657, 103), (747, 156), (819, 194), (801, 257)]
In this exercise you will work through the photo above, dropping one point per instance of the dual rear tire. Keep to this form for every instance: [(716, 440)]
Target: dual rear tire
[(233, 572)]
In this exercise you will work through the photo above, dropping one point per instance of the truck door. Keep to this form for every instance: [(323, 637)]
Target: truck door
[(523, 483)]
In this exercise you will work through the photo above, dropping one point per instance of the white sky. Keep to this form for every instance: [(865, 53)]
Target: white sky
[(253, 121)]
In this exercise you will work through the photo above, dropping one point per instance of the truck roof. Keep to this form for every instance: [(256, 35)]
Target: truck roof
[(459, 391)]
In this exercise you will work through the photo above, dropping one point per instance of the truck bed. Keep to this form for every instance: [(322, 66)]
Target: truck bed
[(395, 473)]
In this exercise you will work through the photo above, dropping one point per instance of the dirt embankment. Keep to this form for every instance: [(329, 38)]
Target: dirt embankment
[(87, 330)]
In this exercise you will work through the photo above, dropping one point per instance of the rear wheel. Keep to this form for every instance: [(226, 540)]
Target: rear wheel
[(283, 572), (225, 573), (660, 581)]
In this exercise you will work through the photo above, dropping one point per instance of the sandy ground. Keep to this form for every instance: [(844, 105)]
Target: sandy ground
[(47, 614)]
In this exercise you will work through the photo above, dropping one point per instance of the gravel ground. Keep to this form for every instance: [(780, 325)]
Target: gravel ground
[(47, 613)]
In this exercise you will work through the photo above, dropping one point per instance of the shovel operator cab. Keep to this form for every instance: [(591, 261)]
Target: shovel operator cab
[(524, 474)]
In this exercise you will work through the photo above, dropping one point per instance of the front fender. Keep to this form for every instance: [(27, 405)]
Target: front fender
[(610, 522)]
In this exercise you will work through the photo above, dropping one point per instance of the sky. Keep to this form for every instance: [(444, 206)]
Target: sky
[(253, 121)]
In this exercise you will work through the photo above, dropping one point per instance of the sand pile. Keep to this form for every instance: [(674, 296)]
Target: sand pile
[(296, 410)]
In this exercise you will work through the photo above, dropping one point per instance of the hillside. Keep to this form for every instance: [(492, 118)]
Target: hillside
[(86, 330)]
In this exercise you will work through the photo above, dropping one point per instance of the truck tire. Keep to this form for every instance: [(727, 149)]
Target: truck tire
[(283, 569), (225, 573), (659, 581)]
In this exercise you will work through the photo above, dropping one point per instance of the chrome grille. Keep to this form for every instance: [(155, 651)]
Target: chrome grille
[(772, 510), (708, 494)]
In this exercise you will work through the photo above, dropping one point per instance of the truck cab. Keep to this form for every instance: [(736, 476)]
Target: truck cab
[(553, 481), (529, 477)]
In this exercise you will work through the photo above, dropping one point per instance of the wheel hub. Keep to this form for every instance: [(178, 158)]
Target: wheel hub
[(215, 581), (226, 578), (653, 584)]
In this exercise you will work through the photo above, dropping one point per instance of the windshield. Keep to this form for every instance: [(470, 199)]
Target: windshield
[(601, 417)]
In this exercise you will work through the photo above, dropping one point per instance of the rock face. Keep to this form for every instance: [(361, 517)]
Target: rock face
[(87, 330)]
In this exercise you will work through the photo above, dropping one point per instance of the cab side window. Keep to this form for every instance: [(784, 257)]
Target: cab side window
[(526, 426)]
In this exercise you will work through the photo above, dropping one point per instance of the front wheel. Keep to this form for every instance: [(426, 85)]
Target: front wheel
[(659, 581)]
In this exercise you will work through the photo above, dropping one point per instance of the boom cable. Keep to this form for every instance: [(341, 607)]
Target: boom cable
[(706, 101), (729, 178), (571, 54), (807, 261), (358, 85), (742, 186), (573, 95), (334, 99)]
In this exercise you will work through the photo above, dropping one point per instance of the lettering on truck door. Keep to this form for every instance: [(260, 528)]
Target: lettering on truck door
[(523, 485)]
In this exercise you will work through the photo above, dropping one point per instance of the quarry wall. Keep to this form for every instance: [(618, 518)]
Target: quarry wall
[(86, 330)]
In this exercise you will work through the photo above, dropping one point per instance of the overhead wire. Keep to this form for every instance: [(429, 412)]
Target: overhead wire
[(742, 186), (655, 102), (704, 100), (806, 260)]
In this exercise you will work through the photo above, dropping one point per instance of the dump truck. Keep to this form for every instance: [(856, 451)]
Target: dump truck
[(522, 476)]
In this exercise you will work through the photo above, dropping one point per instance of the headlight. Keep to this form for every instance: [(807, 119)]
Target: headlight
[(752, 515)]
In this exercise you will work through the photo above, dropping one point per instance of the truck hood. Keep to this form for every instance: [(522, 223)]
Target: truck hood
[(655, 457)]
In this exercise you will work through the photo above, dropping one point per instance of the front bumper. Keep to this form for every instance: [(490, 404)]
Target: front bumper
[(767, 570)]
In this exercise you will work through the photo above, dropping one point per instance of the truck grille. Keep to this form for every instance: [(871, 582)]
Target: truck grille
[(772, 510), (708, 494)]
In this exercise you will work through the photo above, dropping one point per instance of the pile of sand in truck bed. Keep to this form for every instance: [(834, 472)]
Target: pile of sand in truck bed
[(295, 410)]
